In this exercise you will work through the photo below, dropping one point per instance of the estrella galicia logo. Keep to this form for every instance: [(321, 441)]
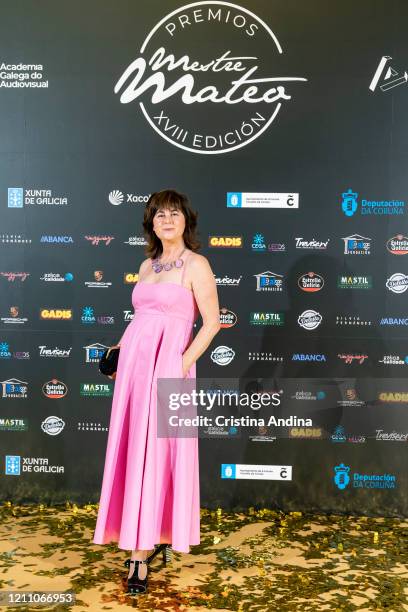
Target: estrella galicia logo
[(15, 197), (228, 470), (341, 476), (13, 465), (349, 204)]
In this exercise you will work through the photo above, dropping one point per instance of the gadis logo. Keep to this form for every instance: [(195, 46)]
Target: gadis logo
[(205, 72)]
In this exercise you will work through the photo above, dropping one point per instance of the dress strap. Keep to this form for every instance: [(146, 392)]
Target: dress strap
[(184, 267)]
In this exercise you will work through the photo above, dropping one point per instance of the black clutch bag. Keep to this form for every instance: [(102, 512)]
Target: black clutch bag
[(108, 363)]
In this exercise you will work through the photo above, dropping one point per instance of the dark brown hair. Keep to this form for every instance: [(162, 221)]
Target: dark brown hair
[(169, 198)]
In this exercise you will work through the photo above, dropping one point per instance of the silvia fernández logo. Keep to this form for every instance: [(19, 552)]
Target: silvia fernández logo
[(203, 77)]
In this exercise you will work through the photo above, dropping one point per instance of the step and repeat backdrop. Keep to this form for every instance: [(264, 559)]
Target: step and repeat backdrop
[(286, 125)]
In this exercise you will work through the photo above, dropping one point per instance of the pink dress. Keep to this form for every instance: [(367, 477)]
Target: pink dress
[(150, 489)]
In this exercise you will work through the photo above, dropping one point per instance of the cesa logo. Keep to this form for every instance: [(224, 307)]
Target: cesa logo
[(56, 313), (205, 67)]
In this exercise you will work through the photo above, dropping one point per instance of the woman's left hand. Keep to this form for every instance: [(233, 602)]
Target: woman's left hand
[(184, 367)]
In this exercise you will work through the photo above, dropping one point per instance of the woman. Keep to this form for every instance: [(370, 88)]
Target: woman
[(150, 488)]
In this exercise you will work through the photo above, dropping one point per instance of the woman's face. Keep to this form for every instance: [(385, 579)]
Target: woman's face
[(169, 224)]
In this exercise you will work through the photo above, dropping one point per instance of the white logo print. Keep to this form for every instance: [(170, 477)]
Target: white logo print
[(202, 70), (222, 355), (116, 197), (390, 78), (397, 283), (310, 319)]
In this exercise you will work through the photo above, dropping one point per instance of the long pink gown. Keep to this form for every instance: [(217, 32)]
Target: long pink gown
[(150, 489)]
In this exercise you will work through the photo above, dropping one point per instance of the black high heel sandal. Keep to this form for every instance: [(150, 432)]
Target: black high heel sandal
[(165, 549), (135, 584)]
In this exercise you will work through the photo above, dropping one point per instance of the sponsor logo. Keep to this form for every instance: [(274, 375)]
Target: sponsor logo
[(237, 199), (96, 390), (96, 240), (52, 425), (393, 436), (264, 356), (357, 245), (225, 241), (309, 319), (269, 281), (56, 314), (5, 352), (388, 76), (227, 318), (56, 239), (259, 246), (116, 198), (394, 321), (362, 481), (12, 276), (93, 352), (88, 317), (397, 283), (14, 239), (56, 277), (352, 321), (55, 352), (308, 357), (309, 395), (14, 388), (350, 399), (339, 435), (316, 245), (98, 282), (183, 88), (349, 359), (128, 315), (136, 241), (15, 464), (267, 318), (90, 426), (305, 432), (393, 360), (226, 281), (22, 76), (222, 355), (18, 197), (394, 397), (398, 245), (130, 278), (349, 205), (13, 424), (256, 472), (354, 282), (14, 318), (311, 282), (54, 389)]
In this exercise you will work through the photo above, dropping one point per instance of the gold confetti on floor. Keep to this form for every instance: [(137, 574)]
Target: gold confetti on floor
[(260, 560)]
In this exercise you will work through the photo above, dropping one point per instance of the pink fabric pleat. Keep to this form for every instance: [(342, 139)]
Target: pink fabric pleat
[(150, 487)]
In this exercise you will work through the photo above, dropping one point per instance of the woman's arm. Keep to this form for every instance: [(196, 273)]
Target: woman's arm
[(205, 292)]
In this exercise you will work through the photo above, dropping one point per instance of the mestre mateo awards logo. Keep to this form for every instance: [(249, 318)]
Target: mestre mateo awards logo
[(203, 81)]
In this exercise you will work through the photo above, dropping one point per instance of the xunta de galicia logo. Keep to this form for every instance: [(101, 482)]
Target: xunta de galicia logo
[(203, 77)]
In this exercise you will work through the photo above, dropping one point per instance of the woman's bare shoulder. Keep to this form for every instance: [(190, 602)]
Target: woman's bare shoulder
[(144, 266), (199, 263)]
